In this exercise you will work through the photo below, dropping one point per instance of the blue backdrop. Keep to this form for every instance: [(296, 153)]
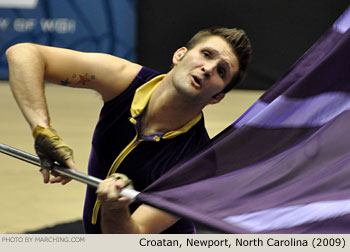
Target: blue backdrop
[(107, 26)]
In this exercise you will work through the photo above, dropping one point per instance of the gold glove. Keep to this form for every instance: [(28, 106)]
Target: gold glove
[(50, 147), (126, 180)]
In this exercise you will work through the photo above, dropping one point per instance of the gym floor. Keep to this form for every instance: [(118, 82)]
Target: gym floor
[(27, 203)]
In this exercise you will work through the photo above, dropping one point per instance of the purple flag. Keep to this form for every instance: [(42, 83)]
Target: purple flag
[(284, 165)]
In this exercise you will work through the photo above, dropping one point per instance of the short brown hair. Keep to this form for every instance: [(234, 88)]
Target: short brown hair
[(239, 42)]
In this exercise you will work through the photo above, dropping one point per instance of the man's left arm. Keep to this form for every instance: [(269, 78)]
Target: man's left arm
[(116, 217)]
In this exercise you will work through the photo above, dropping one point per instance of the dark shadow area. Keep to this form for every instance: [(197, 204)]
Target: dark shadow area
[(75, 227), (280, 31)]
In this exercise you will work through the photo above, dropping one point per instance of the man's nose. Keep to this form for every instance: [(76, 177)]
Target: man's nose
[(208, 69), (206, 73)]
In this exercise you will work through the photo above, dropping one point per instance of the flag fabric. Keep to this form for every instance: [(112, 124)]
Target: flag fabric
[(284, 165)]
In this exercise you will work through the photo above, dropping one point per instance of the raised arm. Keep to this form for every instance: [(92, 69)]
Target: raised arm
[(30, 65)]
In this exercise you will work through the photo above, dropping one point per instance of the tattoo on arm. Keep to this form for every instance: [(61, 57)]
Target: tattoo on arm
[(83, 79), (65, 82)]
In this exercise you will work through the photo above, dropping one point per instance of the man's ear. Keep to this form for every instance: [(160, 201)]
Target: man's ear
[(217, 98), (179, 54)]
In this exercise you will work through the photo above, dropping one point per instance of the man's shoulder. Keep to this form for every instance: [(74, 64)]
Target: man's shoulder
[(142, 76), (146, 74)]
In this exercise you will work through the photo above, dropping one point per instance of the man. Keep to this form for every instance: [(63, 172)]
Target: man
[(149, 122)]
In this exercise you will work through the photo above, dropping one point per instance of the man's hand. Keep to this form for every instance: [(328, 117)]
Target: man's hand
[(108, 191), (115, 214), (50, 149)]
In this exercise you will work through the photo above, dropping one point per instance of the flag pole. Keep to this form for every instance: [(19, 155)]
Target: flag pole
[(76, 175)]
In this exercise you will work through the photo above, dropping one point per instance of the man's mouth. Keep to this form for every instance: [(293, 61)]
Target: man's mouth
[(197, 82)]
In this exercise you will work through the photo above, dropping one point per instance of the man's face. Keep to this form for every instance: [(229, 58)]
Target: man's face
[(205, 70)]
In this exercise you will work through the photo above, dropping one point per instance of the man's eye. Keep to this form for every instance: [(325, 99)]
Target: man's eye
[(206, 54), (222, 73)]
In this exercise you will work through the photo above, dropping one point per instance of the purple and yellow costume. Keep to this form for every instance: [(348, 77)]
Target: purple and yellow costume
[(117, 145)]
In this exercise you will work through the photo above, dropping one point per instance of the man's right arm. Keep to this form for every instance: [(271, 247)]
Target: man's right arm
[(30, 65)]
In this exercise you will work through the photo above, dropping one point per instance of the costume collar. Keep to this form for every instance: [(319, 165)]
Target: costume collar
[(141, 99)]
